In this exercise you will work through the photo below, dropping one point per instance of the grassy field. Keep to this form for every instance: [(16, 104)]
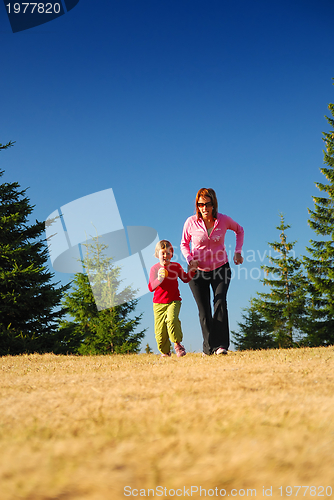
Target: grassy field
[(101, 428)]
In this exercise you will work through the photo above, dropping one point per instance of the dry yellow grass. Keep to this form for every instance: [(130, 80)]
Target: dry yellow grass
[(87, 427)]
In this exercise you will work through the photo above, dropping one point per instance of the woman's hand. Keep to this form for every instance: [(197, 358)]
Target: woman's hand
[(193, 265), (238, 259)]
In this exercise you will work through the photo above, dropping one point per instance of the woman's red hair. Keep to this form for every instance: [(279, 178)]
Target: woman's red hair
[(210, 193)]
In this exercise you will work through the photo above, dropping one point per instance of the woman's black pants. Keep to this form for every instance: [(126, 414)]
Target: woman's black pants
[(214, 326)]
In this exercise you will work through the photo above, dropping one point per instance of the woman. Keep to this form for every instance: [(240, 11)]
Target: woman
[(206, 231)]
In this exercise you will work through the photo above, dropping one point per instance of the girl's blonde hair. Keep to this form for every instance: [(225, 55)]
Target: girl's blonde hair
[(163, 245)]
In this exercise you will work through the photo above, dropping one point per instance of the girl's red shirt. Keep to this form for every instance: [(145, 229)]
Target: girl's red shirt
[(168, 290)]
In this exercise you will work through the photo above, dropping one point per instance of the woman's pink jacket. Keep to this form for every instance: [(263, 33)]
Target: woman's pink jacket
[(210, 250)]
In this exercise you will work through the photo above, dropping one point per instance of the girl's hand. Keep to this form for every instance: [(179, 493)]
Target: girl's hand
[(193, 265), (162, 274), (238, 259)]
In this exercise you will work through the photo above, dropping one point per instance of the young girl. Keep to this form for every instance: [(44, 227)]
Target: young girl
[(166, 299)]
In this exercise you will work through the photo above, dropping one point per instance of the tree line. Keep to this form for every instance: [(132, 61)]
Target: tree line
[(38, 315), (298, 307)]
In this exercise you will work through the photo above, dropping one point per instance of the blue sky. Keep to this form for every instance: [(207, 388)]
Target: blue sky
[(156, 99)]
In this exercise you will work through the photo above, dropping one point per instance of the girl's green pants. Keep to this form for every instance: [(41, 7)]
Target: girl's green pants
[(167, 325)]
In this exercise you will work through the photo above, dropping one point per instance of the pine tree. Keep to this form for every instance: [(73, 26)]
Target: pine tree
[(148, 349), (29, 301), (254, 332), (99, 326), (320, 264), (6, 146), (284, 306)]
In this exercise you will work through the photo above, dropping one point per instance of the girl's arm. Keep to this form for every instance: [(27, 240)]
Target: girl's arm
[(186, 277), (153, 281)]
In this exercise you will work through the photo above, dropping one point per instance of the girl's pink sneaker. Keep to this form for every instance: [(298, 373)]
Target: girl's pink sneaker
[(179, 349)]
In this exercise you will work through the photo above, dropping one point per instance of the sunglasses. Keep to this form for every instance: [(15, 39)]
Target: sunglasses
[(207, 205)]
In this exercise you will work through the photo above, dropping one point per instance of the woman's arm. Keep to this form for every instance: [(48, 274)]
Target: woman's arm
[(185, 241), (239, 231)]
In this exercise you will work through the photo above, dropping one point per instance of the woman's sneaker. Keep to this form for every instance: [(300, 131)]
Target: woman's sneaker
[(179, 349), (167, 355), (221, 350)]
